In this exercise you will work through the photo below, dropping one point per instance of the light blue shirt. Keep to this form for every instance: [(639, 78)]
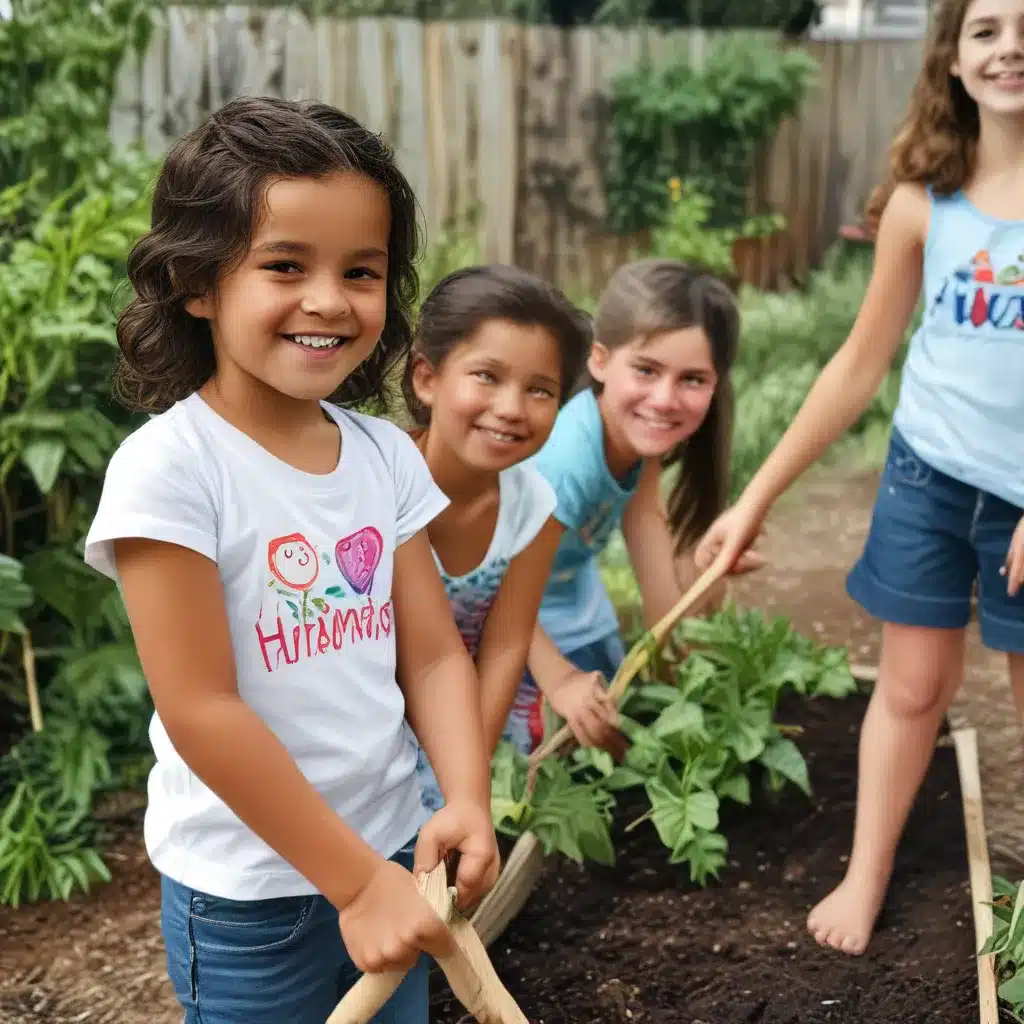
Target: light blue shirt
[(576, 609), (961, 405)]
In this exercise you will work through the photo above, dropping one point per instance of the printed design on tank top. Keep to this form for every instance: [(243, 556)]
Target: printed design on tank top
[(319, 597), (981, 296), (471, 597)]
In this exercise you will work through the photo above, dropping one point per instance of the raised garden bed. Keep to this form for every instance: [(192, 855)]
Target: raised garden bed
[(639, 942)]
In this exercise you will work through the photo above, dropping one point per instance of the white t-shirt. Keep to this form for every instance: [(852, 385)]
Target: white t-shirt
[(306, 564), (525, 503)]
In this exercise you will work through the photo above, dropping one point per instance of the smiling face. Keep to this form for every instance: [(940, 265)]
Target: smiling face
[(293, 561), (494, 399), (655, 393), (990, 56), (307, 303)]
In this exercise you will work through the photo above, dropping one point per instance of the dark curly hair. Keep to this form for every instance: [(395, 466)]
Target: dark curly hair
[(207, 201), (464, 300), (655, 296)]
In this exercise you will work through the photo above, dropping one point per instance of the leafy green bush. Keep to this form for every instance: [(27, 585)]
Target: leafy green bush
[(686, 234), (697, 730), (700, 125)]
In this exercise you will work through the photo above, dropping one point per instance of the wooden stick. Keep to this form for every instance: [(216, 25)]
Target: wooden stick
[(469, 971), (965, 742), (518, 878), (28, 661), (639, 655)]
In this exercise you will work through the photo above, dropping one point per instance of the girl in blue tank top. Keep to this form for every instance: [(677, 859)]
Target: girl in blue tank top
[(949, 225)]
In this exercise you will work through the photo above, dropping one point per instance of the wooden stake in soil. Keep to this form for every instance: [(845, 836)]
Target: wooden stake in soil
[(28, 661), (469, 970), (966, 744)]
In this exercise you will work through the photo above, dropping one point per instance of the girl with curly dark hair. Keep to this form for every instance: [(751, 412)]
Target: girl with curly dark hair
[(950, 511), (272, 552)]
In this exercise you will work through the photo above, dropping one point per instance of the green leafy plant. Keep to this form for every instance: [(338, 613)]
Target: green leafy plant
[(73, 703), (687, 235), (569, 810), (1007, 943), (695, 740), (701, 125)]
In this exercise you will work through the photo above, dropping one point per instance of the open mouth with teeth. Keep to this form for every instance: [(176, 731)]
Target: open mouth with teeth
[(317, 341), (1015, 76), (502, 436)]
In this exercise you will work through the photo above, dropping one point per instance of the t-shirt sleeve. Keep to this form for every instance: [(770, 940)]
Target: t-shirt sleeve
[(536, 503), (418, 500), (568, 471), (152, 489)]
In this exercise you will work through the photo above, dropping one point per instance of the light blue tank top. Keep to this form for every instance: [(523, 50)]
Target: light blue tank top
[(961, 404)]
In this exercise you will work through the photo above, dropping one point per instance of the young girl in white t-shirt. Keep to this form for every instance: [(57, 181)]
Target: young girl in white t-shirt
[(496, 354), (271, 550)]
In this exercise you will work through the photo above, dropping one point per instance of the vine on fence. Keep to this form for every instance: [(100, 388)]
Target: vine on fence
[(703, 126)]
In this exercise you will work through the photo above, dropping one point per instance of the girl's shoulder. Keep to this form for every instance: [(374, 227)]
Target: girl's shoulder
[(527, 502)]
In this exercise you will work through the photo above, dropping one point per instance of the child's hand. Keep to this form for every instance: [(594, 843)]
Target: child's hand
[(388, 924), (467, 827), (583, 701), (732, 532), (1013, 567)]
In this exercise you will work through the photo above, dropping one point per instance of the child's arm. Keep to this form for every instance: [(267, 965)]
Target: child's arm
[(172, 592), (439, 681), (850, 379), (508, 632), (662, 576)]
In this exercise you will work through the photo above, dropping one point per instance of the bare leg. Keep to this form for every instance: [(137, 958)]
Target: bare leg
[(920, 672)]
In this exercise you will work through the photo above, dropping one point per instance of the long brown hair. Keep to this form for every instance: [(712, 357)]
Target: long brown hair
[(936, 143), (652, 297)]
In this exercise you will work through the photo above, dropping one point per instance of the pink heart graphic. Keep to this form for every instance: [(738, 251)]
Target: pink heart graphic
[(358, 556)]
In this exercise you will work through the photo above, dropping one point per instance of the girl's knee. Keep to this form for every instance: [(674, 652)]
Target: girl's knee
[(915, 692)]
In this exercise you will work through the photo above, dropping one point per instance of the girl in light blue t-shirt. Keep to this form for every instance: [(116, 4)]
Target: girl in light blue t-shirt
[(948, 524), (658, 396)]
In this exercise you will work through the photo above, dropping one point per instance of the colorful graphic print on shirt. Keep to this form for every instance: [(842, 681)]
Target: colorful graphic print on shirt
[(978, 295), (471, 597), (320, 600)]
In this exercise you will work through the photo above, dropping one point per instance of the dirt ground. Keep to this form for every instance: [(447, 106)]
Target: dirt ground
[(638, 943), (99, 959)]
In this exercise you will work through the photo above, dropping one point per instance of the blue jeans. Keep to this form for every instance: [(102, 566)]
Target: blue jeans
[(524, 727), (272, 961), (931, 539)]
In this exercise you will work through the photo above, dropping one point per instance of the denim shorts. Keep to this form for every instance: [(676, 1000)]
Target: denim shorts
[(525, 725), (932, 539), (272, 961)]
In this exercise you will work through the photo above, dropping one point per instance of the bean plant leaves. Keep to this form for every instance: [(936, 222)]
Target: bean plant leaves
[(694, 735)]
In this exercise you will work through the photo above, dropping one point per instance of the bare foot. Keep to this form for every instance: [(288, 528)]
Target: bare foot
[(846, 917)]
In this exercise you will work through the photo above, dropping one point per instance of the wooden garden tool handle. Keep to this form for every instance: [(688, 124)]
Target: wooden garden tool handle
[(372, 991), (640, 653), (469, 971)]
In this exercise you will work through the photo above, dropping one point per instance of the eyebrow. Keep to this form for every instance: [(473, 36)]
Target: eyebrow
[(286, 246)]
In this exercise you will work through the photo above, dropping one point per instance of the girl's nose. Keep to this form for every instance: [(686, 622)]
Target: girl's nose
[(326, 299), (509, 403)]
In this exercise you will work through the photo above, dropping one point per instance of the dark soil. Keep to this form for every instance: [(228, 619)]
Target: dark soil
[(639, 943)]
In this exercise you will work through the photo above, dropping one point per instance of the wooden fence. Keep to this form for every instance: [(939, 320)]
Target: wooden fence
[(512, 120)]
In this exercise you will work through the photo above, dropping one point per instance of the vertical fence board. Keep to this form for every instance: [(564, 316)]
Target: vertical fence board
[(512, 122)]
